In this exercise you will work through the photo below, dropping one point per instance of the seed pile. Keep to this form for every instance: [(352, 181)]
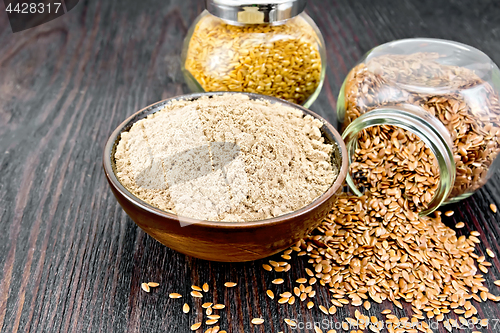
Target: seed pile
[(361, 256), (467, 106), (277, 60), (396, 167)]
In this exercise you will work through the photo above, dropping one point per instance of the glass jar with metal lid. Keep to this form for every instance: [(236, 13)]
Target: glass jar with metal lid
[(446, 93), (266, 47)]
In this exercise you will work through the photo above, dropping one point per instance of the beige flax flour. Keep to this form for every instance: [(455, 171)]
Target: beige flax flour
[(226, 158)]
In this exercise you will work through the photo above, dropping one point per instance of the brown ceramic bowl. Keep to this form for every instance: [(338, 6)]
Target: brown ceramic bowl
[(225, 241)]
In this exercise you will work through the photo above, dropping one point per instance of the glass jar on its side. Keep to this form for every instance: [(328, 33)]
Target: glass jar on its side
[(277, 51), (444, 92)]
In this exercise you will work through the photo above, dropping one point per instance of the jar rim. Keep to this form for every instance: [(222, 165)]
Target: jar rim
[(255, 11)]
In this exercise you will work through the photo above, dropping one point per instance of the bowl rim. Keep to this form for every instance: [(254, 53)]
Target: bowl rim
[(157, 106)]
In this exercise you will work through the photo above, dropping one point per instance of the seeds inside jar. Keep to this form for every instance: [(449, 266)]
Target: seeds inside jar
[(279, 60), (468, 106), (395, 166)]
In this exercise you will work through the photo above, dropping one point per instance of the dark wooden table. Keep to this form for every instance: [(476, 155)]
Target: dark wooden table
[(70, 258)]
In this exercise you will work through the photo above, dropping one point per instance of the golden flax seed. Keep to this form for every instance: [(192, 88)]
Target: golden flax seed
[(257, 321), (175, 295), (230, 284), (290, 322), (493, 208), (196, 326), (267, 267), (145, 287)]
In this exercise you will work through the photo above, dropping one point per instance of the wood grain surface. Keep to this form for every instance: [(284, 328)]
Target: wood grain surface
[(70, 258)]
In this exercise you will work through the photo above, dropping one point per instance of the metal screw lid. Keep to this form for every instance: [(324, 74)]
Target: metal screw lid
[(255, 11)]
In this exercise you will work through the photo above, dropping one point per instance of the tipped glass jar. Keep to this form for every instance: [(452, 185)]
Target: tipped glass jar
[(446, 93), (271, 48)]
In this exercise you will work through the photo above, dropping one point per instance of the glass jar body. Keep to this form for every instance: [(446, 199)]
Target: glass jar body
[(453, 83), (285, 59)]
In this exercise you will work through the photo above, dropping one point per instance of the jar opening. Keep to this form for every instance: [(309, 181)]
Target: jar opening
[(419, 123)]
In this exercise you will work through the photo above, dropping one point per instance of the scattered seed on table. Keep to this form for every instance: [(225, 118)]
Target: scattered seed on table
[(279, 269), (257, 321), (475, 233), (286, 256), (367, 305), (230, 284), (206, 305), (267, 267), (153, 284), (386, 311), (145, 287), (310, 305), (215, 329), (211, 321), (195, 293), (196, 326), (290, 322), (317, 329), (449, 213), (332, 310), (277, 281), (283, 300), (208, 311), (459, 225), (205, 287), (323, 309), (185, 308), (286, 294), (175, 295), (291, 300), (274, 263), (493, 208), (219, 306), (301, 280), (213, 316), (196, 288), (270, 294), (497, 283), (490, 253)]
